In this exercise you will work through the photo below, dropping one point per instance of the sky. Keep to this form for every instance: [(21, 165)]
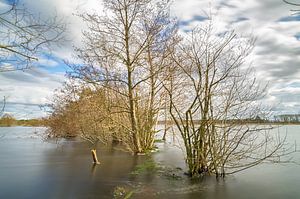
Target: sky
[(275, 58)]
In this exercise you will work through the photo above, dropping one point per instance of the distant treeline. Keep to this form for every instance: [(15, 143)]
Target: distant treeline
[(288, 118), (7, 120), (242, 121)]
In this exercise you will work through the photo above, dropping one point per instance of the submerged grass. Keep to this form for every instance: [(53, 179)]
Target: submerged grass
[(149, 166), (122, 193), (159, 141), (171, 173)]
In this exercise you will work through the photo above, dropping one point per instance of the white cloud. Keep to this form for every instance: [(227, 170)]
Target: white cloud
[(47, 62), (29, 89), (275, 58)]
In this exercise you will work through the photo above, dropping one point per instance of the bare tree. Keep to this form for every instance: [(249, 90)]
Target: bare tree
[(80, 110), (25, 35), (3, 106), (126, 50), (293, 4), (211, 96)]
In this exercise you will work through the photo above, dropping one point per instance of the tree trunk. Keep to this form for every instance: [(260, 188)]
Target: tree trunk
[(94, 154)]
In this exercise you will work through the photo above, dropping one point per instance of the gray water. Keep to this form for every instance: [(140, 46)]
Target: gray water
[(32, 167)]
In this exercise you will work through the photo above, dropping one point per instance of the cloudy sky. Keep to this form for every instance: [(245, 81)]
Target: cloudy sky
[(276, 57)]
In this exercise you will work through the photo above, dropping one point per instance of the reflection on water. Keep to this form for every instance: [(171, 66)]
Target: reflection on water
[(33, 168)]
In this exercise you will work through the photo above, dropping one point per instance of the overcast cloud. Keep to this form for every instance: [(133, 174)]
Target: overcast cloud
[(276, 56)]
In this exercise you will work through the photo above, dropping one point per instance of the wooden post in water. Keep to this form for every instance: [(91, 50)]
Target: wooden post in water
[(94, 154)]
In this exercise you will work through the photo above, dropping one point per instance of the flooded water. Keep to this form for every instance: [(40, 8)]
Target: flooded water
[(33, 168)]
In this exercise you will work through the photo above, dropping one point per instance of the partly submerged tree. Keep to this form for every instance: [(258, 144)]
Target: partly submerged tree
[(132, 58), (24, 35), (79, 110), (211, 93), (125, 51)]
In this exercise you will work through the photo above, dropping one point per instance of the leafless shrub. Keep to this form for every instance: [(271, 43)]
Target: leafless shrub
[(212, 97)]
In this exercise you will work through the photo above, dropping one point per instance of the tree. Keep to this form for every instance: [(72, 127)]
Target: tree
[(211, 94), (79, 110), (126, 51), (3, 106), (25, 35), (293, 4)]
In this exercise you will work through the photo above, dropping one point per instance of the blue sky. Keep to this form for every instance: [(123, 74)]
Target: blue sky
[(276, 56)]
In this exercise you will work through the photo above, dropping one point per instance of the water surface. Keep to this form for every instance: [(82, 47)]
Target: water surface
[(31, 167)]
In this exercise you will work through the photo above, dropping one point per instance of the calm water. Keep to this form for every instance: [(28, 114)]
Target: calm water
[(33, 168)]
